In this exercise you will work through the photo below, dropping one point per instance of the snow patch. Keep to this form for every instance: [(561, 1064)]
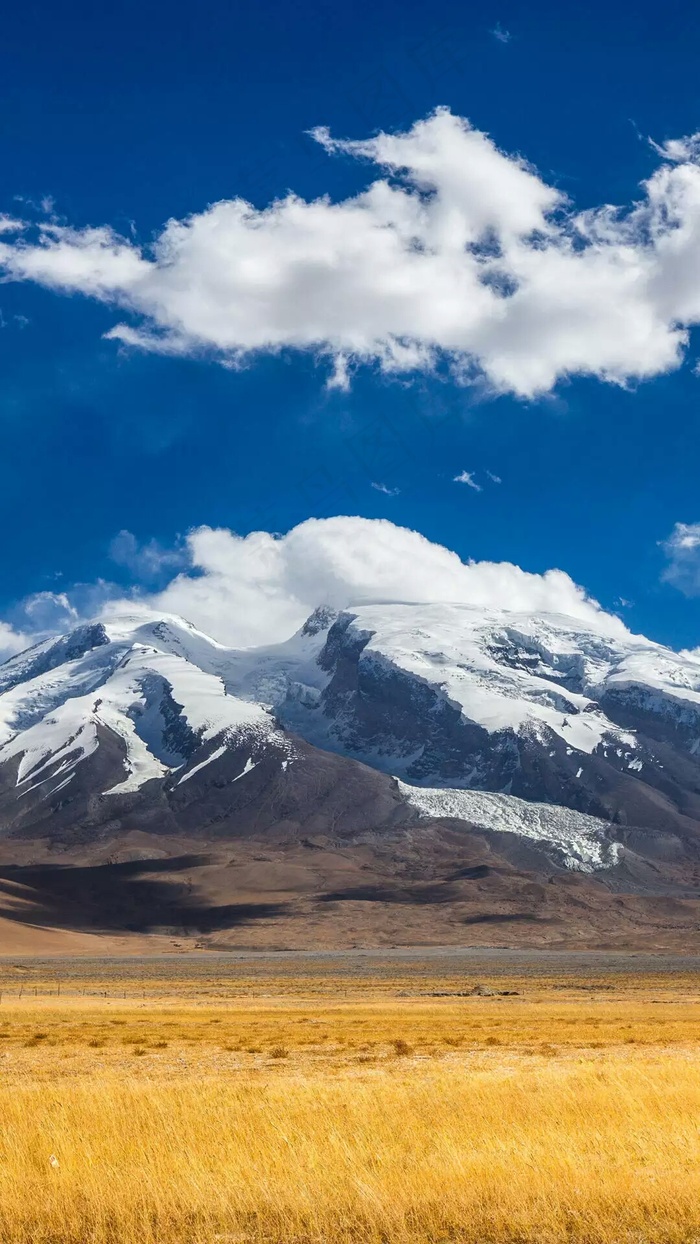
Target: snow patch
[(219, 751), (249, 764)]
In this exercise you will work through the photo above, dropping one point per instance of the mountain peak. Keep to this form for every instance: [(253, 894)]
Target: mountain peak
[(321, 619)]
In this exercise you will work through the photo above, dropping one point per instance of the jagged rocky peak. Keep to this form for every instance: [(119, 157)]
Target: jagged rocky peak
[(321, 619)]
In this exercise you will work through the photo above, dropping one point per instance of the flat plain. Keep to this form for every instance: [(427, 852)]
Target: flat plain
[(301, 1098)]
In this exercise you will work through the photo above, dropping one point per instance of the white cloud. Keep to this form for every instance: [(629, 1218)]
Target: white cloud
[(49, 611), (495, 479), (388, 492), (678, 150), (11, 641), (467, 477), (502, 35), (260, 588), (682, 549), (46, 613), (455, 253), (9, 224)]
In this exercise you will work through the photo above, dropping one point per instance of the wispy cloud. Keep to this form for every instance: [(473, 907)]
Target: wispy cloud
[(495, 479), (682, 549), (18, 321), (47, 611), (467, 477), (388, 492), (149, 562), (502, 35)]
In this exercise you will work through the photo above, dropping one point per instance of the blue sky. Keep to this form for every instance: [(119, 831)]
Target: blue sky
[(129, 117)]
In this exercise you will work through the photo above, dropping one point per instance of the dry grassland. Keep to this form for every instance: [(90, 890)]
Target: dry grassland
[(295, 1111)]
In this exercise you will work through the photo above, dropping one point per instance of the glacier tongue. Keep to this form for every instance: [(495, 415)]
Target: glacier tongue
[(578, 841)]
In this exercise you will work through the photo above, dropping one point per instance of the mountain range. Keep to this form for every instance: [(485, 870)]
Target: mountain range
[(392, 773)]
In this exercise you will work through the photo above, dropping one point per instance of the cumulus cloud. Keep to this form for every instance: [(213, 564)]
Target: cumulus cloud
[(456, 254), (682, 549), (260, 588)]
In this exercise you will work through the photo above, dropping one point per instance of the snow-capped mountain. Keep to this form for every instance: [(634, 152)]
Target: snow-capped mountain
[(581, 738), (133, 720), (541, 707), (504, 674), (148, 682)]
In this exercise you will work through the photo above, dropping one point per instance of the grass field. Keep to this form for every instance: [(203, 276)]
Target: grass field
[(285, 1109)]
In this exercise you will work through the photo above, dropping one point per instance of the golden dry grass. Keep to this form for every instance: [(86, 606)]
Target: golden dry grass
[(352, 1115)]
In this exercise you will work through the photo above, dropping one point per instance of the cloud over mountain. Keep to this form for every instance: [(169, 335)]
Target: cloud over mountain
[(261, 587), (11, 640)]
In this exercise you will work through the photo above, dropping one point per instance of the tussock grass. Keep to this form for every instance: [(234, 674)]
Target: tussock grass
[(367, 1120)]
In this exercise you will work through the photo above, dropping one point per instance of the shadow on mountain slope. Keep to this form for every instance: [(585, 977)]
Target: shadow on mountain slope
[(126, 896)]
